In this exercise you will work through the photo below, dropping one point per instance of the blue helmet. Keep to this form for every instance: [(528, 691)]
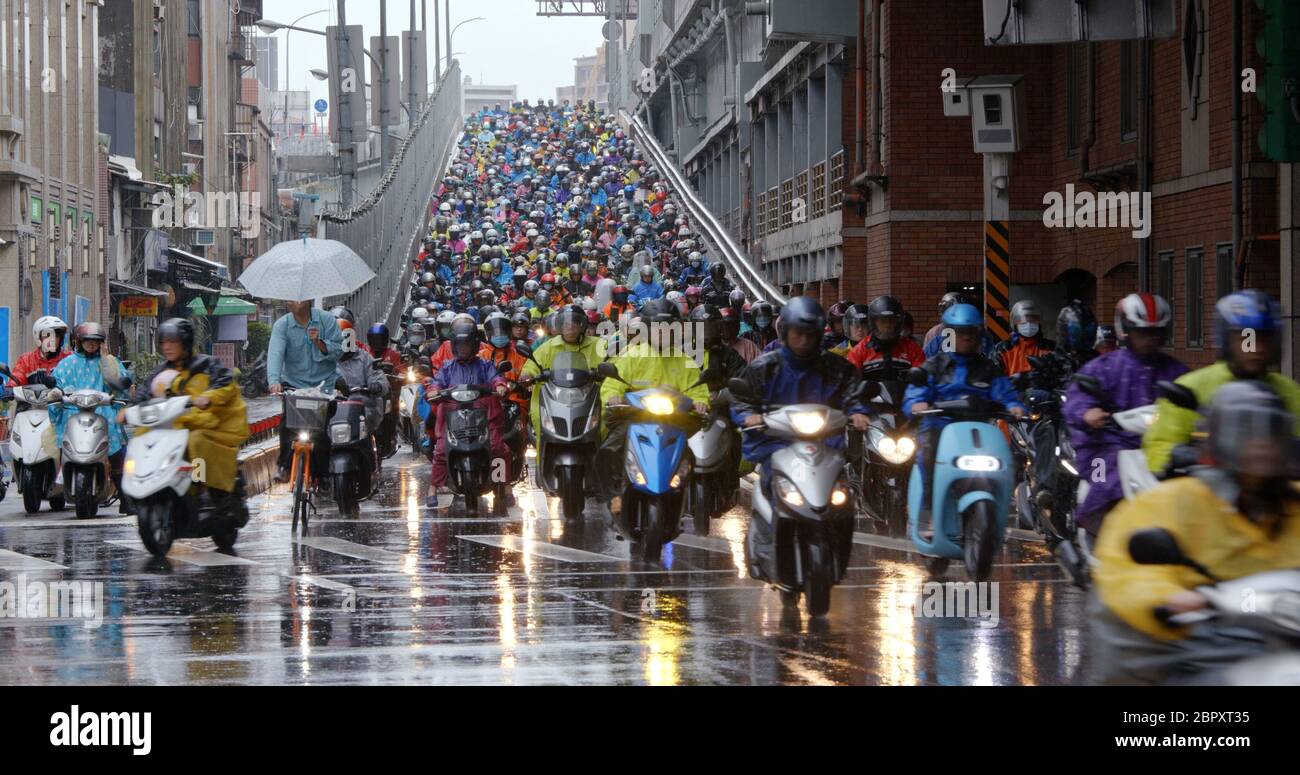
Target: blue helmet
[(962, 316), (1242, 310)]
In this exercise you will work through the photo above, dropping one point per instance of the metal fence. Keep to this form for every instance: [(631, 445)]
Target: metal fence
[(386, 227)]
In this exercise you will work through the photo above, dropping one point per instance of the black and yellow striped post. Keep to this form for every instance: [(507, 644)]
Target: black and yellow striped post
[(997, 279)]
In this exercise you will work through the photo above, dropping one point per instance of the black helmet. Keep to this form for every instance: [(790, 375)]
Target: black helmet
[(718, 270), (496, 324), (378, 338), (737, 299), (711, 318), (836, 313), (464, 336), (343, 313), (800, 312), (764, 310), (178, 330), (571, 319), (884, 307), (659, 311)]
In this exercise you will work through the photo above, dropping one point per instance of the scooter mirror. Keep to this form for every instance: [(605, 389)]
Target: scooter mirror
[(608, 371), (505, 367), (1177, 395), (1156, 546), (524, 350), (917, 377), (739, 389), (1088, 384)]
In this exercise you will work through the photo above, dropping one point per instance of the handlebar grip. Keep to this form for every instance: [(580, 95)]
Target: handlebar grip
[(1163, 613)]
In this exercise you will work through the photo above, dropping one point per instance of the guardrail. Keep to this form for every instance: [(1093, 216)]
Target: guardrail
[(386, 227), (749, 277)]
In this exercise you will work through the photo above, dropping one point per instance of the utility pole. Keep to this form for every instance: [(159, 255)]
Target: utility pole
[(347, 151), (437, 45), (446, 25), (410, 66), (385, 144)]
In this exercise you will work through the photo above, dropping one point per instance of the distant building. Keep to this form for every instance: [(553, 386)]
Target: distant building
[(589, 81), (475, 97), (268, 61)]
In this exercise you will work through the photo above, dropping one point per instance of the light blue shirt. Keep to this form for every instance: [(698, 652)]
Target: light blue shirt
[(294, 360)]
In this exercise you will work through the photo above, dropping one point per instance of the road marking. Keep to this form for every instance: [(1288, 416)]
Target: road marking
[(541, 548), (105, 522), (15, 561), (885, 542), (349, 549), (324, 583), (707, 543), (193, 555)]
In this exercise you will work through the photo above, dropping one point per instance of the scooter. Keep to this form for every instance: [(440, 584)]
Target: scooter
[(86, 470), (353, 455), (31, 444), (1269, 624), (887, 449), (158, 479), (657, 464), (801, 533), (411, 420), (715, 478), (971, 487), (469, 454), (569, 405)]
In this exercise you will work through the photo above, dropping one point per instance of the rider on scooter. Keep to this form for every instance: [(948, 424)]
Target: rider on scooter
[(218, 421), (1128, 376), (962, 373), (1237, 517), (49, 333)]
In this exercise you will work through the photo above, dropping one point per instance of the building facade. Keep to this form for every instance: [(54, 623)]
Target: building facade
[(476, 97)]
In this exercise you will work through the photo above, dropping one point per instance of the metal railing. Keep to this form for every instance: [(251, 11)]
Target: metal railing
[(387, 226), (749, 277)]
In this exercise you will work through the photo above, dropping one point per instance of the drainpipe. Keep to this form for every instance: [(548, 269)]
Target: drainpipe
[(1090, 138), (861, 85), (1239, 274), (1146, 152), (877, 98)]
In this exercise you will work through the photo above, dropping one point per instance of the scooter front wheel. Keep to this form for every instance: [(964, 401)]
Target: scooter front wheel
[(156, 529), (345, 494), (32, 485), (652, 530), (979, 529), (225, 541), (84, 500), (817, 582)]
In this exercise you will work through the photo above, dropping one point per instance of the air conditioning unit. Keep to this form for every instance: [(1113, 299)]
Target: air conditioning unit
[(204, 237), (159, 10)]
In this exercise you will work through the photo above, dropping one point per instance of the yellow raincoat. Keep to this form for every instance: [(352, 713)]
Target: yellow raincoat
[(641, 365), (1207, 529), (217, 431)]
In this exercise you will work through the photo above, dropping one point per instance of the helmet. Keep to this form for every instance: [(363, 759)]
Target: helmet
[(736, 299), (1245, 309), (696, 259), (419, 313), (962, 315), (588, 304), (659, 311), (464, 336), (693, 293), (1022, 310), (571, 320), (548, 281), (950, 298), (378, 338), (485, 297), (800, 312), (443, 323), (1076, 328), (485, 268), (836, 312), (178, 330), (669, 284), (884, 307), (415, 334), (531, 286), (343, 313), (543, 299), (620, 294), (89, 332), (521, 318), (718, 270), (1141, 310), (1242, 414), (428, 278), (711, 319), (857, 315), (49, 323), (679, 299), (762, 314), (647, 271), (496, 327)]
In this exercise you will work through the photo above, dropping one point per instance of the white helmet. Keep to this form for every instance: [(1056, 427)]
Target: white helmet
[(1141, 310), (419, 314), (49, 323), (444, 208)]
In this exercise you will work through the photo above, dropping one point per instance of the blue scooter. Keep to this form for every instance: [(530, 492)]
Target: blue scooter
[(971, 487), (657, 464)]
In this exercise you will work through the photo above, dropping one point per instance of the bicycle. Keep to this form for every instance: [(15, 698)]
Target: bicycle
[(305, 412)]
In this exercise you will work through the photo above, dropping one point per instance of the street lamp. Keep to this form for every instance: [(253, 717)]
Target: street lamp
[(269, 27), (458, 26)]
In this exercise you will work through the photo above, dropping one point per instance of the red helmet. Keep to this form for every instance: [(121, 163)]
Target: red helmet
[(548, 278)]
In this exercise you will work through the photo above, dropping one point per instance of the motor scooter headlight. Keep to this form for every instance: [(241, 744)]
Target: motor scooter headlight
[(786, 491), (548, 424), (128, 467), (680, 476), (658, 403), (807, 423), (839, 496), (340, 433), (401, 405), (978, 463)]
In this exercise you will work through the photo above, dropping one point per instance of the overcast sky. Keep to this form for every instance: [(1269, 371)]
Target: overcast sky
[(512, 45)]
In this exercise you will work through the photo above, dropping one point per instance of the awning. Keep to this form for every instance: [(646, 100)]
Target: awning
[(221, 270), (198, 306), (233, 290), (193, 286), (229, 305), (128, 289)]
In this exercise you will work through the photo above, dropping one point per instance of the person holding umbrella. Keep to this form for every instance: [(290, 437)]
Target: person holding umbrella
[(304, 352)]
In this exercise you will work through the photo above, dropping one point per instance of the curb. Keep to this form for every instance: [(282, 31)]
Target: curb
[(257, 464)]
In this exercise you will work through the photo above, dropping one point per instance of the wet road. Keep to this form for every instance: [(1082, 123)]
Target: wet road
[(405, 595)]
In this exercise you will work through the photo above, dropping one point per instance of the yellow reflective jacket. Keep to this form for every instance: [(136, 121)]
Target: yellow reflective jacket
[(1173, 425), (1207, 529), (642, 366)]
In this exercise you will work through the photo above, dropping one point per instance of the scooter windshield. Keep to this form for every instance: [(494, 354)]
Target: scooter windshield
[(570, 370)]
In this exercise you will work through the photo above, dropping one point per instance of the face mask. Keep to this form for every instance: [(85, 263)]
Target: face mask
[(761, 322), (501, 340), (1028, 330), (416, 341)]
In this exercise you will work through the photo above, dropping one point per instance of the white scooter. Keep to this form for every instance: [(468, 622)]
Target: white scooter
[(85, 452), (31, 444), (411, 425), (157, 476)]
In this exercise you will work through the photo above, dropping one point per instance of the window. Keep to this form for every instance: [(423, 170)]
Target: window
[(193, 19), (1128, 102), (1075, 68), (1165, 282), (1224, 267), (1195, 261)]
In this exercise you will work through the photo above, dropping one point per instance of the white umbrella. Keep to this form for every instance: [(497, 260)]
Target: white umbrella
[(307, 268)]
